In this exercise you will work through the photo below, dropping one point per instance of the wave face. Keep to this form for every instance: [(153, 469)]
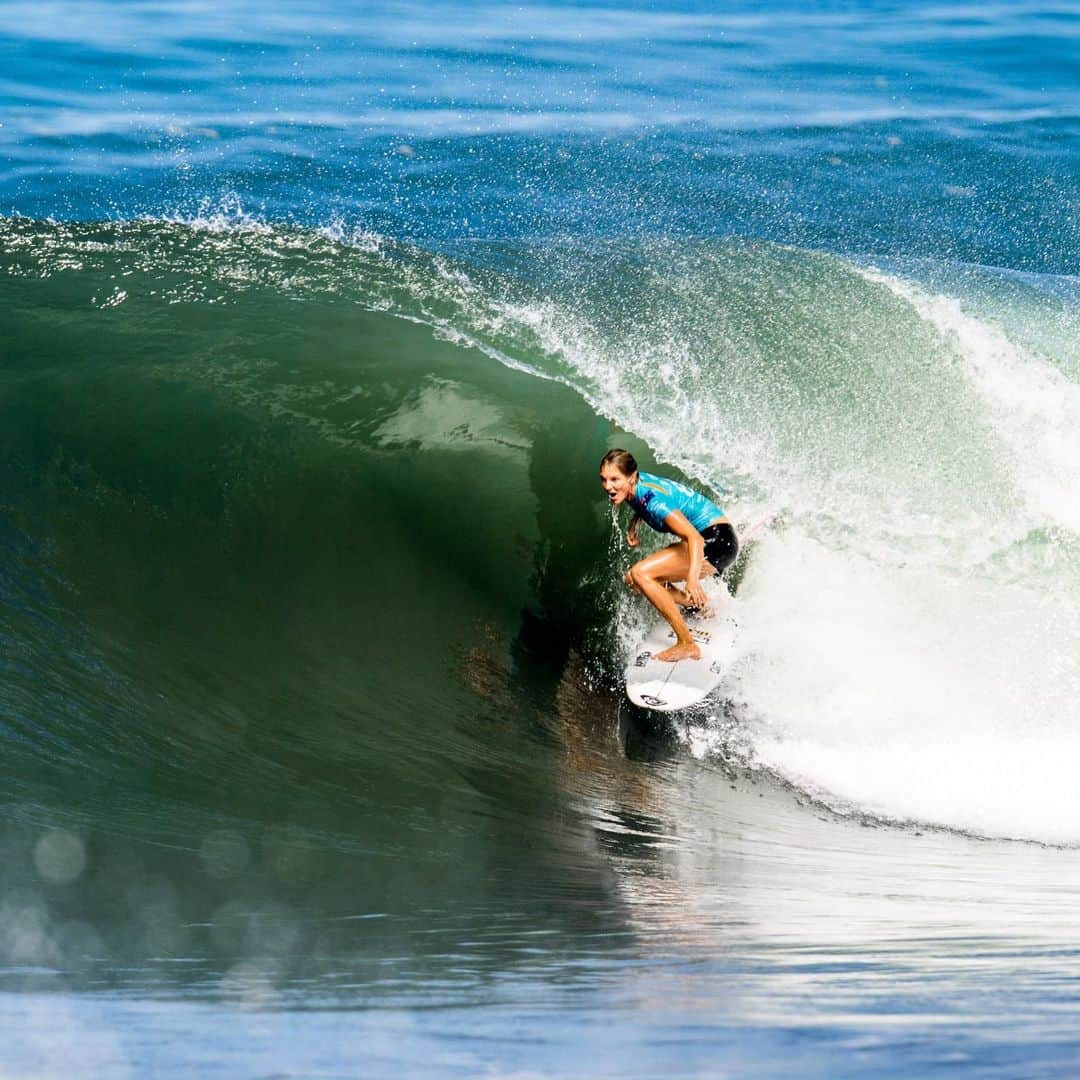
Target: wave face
[(250, 449), (286, 578)]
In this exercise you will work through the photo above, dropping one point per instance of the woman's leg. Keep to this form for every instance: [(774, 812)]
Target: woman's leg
[(650, 577)]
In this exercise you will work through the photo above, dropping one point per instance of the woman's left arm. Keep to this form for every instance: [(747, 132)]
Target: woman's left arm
[(676, 521)]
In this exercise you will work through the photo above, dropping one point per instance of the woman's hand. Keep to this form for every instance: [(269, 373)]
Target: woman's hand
[(631, 534), (696, 593)]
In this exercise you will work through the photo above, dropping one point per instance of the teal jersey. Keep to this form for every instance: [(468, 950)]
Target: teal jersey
[(655, 497)]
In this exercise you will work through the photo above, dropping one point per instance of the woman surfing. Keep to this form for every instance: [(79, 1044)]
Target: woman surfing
[(707, 542)]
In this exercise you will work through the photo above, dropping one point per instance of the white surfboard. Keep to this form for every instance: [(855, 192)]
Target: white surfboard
[(664, 687)]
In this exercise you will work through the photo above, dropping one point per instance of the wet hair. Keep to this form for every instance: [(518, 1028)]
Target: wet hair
[(623, 460)]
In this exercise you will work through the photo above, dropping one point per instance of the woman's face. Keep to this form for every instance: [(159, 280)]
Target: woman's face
[(618, 485)]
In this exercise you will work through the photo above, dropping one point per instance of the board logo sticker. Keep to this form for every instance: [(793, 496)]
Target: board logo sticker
[(643, 659), (650, 700), (702, 636)]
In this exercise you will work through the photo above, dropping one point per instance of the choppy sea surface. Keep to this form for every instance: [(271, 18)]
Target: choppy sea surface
[(314, 324)]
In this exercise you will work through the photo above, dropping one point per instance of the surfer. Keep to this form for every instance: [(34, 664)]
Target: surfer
[(707, 542)]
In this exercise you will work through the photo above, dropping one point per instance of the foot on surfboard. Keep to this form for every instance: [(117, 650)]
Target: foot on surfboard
[(687, 651)]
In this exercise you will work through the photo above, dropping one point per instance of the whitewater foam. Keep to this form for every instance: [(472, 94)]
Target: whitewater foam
[(929, 697)]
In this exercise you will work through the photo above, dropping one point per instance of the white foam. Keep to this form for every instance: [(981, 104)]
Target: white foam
[(932, 697), (223, 215)]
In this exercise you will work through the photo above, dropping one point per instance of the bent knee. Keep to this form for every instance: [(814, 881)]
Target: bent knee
[(638, 577)]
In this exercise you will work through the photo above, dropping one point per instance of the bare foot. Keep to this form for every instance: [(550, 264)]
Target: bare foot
[(680, 651)]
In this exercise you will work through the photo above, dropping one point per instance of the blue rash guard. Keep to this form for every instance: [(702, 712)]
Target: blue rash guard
[(655, 497)]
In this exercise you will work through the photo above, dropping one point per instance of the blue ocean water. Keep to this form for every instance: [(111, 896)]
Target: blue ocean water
[(863, 127), (315, 322)]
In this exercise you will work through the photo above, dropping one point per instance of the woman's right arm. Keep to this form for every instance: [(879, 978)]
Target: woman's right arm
[(631, 533)]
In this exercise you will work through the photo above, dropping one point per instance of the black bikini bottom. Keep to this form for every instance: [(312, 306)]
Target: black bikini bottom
[(721, 545)]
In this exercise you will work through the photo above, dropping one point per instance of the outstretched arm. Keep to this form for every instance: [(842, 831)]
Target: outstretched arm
[(677, 523)]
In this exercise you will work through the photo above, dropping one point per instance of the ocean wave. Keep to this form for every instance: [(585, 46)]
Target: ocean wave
[(241, 440)]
